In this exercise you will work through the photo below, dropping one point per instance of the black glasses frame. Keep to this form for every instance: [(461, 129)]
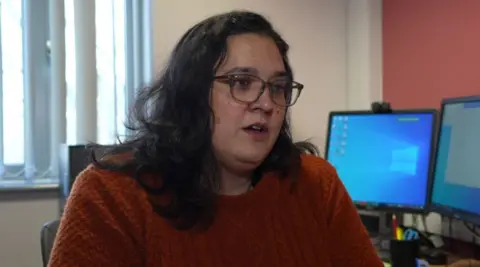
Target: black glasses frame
[(230, 78)]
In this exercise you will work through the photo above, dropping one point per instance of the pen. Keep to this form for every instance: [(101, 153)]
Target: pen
[(399, 233), (394, 226)]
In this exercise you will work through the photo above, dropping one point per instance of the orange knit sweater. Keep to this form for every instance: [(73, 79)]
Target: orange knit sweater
[(108, 221)]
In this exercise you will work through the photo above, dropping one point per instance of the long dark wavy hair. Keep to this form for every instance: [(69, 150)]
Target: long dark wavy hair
[(170, 123)]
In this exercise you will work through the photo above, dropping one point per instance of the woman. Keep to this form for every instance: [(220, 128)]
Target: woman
[(211, 176)]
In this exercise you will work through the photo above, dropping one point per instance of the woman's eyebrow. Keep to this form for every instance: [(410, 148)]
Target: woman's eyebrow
[(254, 71), (247, 70)]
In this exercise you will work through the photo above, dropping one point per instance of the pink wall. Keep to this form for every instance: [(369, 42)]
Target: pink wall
[(431, 50)]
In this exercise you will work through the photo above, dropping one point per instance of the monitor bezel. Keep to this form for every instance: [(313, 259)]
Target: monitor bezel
[(444, 210), (392, 209)]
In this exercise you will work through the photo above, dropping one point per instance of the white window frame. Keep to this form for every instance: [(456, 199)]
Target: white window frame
[(35, 35), (36, 63)]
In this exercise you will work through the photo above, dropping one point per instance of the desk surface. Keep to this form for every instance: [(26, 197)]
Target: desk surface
[(460, 263), (388, 265)]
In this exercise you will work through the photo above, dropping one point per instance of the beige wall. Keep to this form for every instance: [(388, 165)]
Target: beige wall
[(331, 40), (21, 218)]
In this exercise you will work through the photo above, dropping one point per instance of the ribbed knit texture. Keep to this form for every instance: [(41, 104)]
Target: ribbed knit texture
[(108, 221)]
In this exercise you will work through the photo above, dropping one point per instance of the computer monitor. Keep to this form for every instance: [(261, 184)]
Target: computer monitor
[(456, 182), (384, 160)]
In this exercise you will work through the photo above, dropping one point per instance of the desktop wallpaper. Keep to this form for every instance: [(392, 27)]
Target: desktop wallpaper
[(457, 172), (382, 158)]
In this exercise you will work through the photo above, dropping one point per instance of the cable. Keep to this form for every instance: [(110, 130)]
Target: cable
[(474, 237), (450, 231), (414, 221), (450, 227), (472, 229), (424, 222)]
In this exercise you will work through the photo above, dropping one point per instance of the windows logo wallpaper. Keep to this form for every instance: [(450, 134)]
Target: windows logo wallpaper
[(382, 158)]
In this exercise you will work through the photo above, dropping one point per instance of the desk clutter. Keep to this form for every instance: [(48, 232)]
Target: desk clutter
[(410, 161)]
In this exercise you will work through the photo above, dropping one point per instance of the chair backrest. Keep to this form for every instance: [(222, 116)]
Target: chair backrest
[(47, 237)]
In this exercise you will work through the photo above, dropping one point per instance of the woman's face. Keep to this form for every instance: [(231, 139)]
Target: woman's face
[(244, 133)]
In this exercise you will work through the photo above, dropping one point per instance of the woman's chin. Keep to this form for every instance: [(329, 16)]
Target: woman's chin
[(254, 158)]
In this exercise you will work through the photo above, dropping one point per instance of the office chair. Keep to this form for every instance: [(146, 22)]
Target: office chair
[(47, 237)]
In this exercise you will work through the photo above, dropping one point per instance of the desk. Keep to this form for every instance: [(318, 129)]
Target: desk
[(460, 263), (388, 265)]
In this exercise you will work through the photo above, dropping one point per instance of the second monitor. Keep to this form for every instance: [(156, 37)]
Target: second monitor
[(384, 160), (456, 186)]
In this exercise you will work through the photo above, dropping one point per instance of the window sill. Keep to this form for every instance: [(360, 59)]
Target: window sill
[(24, 187)]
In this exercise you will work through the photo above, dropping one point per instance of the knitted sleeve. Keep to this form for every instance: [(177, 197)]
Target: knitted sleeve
[(101, 224), (349, 241)]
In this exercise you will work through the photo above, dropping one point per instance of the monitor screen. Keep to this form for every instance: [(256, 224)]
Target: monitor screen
[(383, 159), (456, 184)]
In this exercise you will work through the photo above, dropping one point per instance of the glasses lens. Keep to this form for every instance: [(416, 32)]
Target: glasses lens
[(245, 88), (285, 93)]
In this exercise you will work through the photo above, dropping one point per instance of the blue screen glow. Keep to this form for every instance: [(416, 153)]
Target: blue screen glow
[(383, 159), (457, 172)]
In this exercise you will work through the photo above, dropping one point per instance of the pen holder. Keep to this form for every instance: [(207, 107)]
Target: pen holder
[(404, 253)]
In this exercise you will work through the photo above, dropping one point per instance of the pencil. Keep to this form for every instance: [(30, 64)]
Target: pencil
[(394, 226)]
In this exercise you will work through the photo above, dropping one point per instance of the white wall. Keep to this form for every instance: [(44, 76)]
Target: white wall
[(364, 53)]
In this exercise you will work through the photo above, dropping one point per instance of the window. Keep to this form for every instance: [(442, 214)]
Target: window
[(27, 157), (110, 38), (12, 82), (70, 72), (110, 59), (23, 92)]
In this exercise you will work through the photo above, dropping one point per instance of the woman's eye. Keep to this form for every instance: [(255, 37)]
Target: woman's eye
[(244, 83), (277, 87), (280, 87)]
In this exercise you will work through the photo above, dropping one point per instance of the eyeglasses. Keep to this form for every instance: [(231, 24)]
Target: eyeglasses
[(248, 88)]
